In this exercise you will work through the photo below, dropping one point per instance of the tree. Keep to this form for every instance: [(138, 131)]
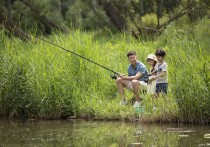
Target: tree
[(125, 15), (48, 24), (12, 28), (114, 15)]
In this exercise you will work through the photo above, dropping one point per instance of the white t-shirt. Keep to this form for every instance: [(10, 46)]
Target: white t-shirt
[(162, 68)]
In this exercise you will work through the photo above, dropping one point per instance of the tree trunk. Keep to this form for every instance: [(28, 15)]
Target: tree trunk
[(48, 24), (9, 14), (142, 8), (159, 11), (12, 28), (114, 15), (196, 10), (63, 8)]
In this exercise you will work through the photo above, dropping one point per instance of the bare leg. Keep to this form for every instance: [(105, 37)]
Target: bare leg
[(136, 89), (154, 100), (120, 86), (157, 95)]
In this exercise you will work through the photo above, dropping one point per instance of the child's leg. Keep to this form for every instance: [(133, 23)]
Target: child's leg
[(155, 96), (154, 100), (157, 89), (164, 89)]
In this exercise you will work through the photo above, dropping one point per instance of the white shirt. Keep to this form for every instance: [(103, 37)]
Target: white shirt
[(162, 68)]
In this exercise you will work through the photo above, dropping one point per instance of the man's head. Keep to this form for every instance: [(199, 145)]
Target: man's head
[(160, 54), (132, 57)]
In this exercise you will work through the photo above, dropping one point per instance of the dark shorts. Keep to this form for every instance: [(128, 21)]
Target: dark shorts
[(161, 87)]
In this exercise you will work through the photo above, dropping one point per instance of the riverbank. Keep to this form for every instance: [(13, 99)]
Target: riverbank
[(41, 81)]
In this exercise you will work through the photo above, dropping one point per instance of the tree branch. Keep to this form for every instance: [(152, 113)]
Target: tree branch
[(48, 24), (12, 28)]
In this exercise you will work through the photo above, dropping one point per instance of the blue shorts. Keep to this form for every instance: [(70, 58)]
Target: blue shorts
[(161, 87)]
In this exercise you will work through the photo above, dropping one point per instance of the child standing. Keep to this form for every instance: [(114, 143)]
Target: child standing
[(161, 77), (151, 85)]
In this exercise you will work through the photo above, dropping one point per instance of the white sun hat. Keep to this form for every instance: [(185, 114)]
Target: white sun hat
[(153, 57)]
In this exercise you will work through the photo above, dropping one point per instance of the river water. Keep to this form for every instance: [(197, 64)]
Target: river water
[(76, 133)]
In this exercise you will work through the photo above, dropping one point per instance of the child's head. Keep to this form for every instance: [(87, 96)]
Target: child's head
[(151, 59), (160, 55)]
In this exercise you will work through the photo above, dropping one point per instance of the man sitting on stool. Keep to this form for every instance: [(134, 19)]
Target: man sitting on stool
[(135, 81)]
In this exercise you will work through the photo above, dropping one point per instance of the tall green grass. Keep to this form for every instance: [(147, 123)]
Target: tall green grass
[(189, 66), (40, 80)]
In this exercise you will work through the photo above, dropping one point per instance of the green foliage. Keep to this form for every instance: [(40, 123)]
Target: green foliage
[(190, 74), (40, 80), (90, 14)]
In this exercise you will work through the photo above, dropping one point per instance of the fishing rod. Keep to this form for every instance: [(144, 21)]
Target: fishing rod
[(112, 76), (147, 77)]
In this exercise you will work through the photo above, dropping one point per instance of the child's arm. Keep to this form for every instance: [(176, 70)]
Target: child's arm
[(162, 74), (152, 78)]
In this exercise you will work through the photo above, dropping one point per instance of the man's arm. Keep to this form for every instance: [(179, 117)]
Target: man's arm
[(136, 77)]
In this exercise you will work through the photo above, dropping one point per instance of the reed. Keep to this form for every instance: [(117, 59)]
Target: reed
[(39, 80)]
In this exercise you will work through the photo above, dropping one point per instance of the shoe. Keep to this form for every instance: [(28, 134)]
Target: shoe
[(123, 102), (136, 104), (154, 108)]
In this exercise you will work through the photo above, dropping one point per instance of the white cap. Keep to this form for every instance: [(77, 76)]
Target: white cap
[(153, 57)]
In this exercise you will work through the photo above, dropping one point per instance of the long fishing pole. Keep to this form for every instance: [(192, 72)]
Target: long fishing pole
[(112, 76)]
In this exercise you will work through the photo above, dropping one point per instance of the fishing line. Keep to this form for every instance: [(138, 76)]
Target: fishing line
[(112, 76)]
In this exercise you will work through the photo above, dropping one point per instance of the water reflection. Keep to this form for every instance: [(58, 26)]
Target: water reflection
[(105, 134)]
